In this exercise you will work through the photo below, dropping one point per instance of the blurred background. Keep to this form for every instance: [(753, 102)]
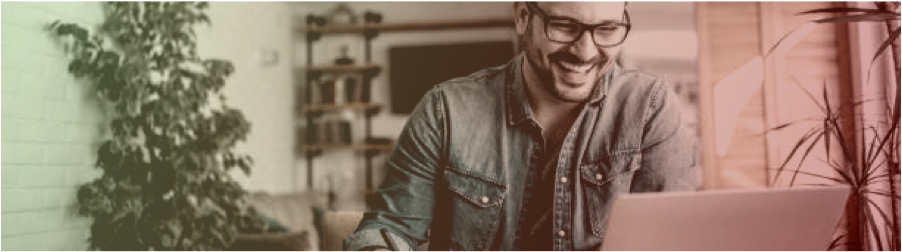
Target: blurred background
[(327, 87)]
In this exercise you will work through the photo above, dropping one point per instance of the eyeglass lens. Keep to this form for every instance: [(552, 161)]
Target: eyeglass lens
[(566, 32)]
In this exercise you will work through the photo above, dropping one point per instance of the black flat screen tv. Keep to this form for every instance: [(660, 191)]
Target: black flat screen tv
[(416, 69)]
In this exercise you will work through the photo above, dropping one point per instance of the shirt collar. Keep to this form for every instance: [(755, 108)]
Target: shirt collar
[(517, 104)]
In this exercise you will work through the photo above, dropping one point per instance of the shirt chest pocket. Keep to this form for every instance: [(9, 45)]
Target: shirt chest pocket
[(602, 180), (477, 202)]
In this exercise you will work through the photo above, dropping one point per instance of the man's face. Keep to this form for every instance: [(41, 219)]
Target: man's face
[(567, 71)]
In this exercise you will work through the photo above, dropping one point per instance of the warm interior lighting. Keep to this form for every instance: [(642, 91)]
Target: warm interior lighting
[(735, 90), (731, 94)]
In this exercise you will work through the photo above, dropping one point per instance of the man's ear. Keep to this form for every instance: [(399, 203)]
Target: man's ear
[(521, 17)]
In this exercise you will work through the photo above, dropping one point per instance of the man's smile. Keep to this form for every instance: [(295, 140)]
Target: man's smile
[(575, 74)]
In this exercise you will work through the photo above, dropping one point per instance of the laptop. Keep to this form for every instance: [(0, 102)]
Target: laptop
[(753, 219)]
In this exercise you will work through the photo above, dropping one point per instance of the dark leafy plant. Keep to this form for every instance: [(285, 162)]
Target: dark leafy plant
[(166, 182), (868, 158)]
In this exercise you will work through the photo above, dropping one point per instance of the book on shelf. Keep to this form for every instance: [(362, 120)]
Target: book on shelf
[(331, 132), (339, 89)]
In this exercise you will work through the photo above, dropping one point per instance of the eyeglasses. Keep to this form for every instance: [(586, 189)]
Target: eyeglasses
[(566, 30)]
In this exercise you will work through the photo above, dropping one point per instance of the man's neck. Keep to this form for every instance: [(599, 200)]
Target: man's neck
[(551, 113)]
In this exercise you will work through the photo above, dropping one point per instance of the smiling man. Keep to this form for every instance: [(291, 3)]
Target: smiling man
[(530, 155)]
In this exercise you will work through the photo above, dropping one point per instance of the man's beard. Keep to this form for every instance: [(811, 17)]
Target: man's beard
[(544, 73)]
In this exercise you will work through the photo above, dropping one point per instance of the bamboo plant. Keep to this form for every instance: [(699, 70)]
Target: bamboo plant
[(868, 155)]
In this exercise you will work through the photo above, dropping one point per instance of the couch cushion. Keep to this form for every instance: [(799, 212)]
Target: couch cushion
[(273, 242), (293, 210), (337, 225)]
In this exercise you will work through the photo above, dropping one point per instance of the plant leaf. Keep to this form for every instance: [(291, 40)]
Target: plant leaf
[(890, 132), (791, 39), (845, 10), (785, 125), (881, 193), (856, 104), (847, 152), (826, 97), (819, 184), (810, 95), (871, 17), (844, 174), (795, 148), (805, 155), (781, 126), (869, 218), (836, 242), (873, 223), (868, 162), (886, 43), (819, 176), (879, 178), (883, 162)]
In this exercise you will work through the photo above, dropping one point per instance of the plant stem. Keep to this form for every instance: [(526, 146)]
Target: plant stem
[(853, 223), (891, 156)]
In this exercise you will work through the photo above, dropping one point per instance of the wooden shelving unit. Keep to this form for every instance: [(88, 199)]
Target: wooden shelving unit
[(365, 68), (313, 112), (314, 30), (418, 26), (352, 147), (365, 107)]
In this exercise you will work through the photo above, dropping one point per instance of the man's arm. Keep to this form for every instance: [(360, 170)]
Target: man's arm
[(668, 152), (401, 208)]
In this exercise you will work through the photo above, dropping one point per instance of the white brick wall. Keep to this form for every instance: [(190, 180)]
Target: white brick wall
[(264, 93), (51, 126)]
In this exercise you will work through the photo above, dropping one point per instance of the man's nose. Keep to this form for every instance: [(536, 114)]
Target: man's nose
[(584, 48)]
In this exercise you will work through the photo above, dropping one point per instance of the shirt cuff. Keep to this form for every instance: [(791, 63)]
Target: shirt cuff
[(372, 237)]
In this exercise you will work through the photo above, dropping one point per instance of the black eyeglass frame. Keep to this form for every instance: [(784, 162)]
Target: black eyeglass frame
[(546, 19)]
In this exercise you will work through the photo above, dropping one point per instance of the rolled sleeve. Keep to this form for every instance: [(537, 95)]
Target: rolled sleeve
[(372, 237), (404, 201)]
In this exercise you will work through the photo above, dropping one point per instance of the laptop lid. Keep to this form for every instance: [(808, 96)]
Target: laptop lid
[(753, 219)]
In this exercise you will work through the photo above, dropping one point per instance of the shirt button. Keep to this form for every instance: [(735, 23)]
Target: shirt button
[(561, 233), (563, 179), (599, 177), (485, 199)]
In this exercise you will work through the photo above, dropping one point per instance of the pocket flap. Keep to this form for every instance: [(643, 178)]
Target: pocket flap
[(478, 190), (607, 169)]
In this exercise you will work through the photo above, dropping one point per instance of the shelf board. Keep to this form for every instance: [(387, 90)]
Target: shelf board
[(334, 107), (342, 68), (412, 26), (354, 147)]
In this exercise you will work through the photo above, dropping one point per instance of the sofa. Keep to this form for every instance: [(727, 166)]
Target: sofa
[(305, 220)]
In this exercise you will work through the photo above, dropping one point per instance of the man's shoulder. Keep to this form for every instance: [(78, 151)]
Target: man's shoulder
[(637, 87), (636, 80), (476, 97), (482, 84)]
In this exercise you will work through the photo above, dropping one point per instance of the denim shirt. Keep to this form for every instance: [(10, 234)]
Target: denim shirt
[(457, 177)]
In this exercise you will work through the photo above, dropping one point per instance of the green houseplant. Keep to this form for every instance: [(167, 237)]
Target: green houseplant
[(868, 154), (166, 183)]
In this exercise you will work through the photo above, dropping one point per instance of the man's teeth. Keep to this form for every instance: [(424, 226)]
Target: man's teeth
[(582, 68)]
